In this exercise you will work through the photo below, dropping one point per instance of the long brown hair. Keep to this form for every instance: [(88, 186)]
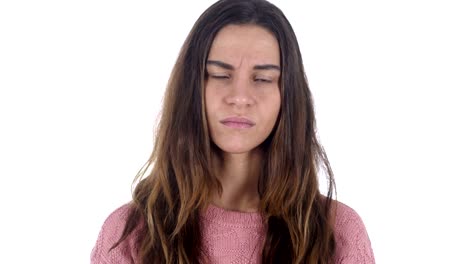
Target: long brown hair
[(176, 182)]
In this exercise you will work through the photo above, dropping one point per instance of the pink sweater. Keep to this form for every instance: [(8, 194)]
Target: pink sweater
[(235, 238)]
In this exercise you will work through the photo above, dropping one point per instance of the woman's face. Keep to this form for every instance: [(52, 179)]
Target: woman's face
[(242, 95)]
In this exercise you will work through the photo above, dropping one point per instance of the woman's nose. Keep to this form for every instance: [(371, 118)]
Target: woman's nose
[(240, 93)]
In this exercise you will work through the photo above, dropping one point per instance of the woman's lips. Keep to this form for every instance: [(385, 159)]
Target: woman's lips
[(237, 122)]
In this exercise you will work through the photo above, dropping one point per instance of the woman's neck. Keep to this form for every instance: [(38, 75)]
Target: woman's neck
[(238, 174)]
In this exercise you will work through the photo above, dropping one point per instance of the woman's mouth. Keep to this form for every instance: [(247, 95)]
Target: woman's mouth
[(237, 122)]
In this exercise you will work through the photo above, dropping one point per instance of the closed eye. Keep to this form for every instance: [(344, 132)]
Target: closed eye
[(261, 80), (215, 76)]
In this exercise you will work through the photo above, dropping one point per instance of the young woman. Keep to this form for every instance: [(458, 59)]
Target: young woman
[(233, 174)]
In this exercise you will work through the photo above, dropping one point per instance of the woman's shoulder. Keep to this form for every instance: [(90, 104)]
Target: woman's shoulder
[(352, 241), (110, 233)]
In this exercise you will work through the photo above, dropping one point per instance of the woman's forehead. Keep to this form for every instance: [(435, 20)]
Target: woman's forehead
[(237, 43)]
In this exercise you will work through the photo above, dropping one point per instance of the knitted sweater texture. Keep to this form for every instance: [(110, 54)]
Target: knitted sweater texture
[(231, 237)]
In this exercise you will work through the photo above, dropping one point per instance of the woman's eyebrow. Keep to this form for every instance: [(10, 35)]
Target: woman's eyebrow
[(220, 64), (230, 67), (267, 67)]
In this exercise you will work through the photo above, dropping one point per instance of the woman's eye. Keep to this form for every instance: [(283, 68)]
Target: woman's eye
[(220, 76), (262, 80)]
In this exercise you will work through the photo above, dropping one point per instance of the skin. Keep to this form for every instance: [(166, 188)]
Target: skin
[(243, 72)]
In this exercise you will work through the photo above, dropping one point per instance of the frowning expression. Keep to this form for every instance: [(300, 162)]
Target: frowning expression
[(242, 95)]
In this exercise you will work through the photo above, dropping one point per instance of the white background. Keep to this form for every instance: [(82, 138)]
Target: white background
[(81, 85)]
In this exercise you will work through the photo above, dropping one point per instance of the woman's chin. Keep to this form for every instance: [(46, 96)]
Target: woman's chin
[(236, 149)]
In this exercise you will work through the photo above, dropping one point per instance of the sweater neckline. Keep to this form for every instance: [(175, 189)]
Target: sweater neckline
[(225, 217)]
